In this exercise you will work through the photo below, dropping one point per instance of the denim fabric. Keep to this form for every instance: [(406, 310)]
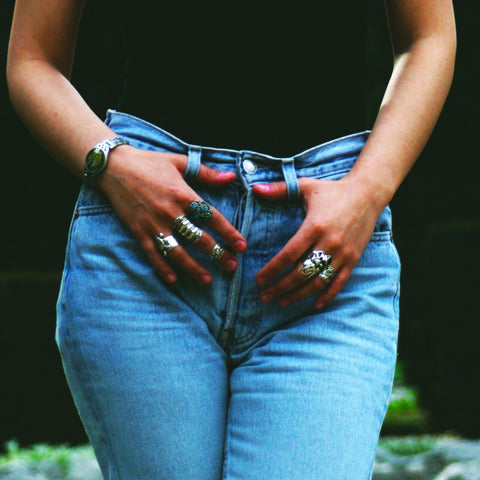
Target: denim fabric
[(190, 382)]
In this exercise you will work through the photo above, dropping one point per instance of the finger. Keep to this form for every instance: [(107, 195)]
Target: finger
[(177, 255), (211, 176), (271, 191), (219, 224), (316, 284), (333, 289), (180, 257), (306, 290), (288, 282), (227, 231), (206, 243), (290, 253), (159, 264)]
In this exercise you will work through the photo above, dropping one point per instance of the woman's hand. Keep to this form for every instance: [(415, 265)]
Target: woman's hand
[(340, 218), (148, 192)]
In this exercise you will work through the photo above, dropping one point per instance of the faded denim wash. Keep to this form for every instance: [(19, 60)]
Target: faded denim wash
[(190, 382)]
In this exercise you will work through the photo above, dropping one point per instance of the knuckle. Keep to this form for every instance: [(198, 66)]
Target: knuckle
[(329, 296), (175, 191), (317, 229), (355, 257), (178, 160), (318, 283), (177, 254), (137, 229), (336, 242)]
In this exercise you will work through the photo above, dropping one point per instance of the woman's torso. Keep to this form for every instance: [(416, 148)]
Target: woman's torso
[(275, 78)]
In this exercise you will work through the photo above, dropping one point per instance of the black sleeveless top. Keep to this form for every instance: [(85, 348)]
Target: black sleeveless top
[(272, 77)]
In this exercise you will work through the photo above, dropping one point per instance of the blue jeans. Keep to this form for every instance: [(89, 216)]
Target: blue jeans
[(191, 382)]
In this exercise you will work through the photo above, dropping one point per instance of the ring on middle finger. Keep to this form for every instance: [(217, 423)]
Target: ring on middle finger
[(187, 229), (315, 263)]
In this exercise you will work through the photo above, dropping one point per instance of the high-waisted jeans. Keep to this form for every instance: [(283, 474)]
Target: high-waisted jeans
[(191, 382)]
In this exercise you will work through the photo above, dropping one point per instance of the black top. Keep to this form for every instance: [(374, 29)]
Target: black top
[(276, 78)]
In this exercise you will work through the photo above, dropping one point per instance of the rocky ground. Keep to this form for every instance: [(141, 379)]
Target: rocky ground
[(444, 459), (447, 459)]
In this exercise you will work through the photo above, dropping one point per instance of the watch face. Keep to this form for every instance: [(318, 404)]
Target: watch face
[(95, 160)]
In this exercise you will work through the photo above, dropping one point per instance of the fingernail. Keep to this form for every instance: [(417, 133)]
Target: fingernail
[(231, 265), (283, 302), (224, 175), (263, 187), (261, 280), (240, 245), (319, 305), (266, 297), (171, 278), (205, 278)]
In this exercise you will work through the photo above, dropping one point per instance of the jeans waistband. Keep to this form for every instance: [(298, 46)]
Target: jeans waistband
[(309, 162)]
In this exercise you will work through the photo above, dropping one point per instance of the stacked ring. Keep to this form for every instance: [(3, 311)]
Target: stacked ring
[(165, 244), (187, 229), (200, 211)]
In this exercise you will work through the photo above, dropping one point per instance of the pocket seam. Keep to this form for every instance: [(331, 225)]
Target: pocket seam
[(93, 210)]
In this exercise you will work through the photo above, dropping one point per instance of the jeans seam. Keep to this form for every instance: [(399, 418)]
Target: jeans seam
[(226, 448)]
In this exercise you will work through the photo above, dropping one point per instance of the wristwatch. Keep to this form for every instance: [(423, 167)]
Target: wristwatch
[(97, 158)]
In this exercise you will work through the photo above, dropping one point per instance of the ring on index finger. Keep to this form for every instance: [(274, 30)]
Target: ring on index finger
[(165, 243)]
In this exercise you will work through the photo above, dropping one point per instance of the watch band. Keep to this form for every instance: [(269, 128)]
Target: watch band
[(115, 142)]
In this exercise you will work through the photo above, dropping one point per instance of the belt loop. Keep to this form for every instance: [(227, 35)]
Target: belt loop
[(193, 164), (290, 175)]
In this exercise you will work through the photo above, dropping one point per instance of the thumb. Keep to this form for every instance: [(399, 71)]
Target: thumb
[(272, 191), (213, 177)]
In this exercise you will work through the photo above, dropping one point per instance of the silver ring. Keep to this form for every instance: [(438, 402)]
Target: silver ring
[(327, 274), (315, 263), (187, 229), (200, 211), (165, 244), (217, 251)]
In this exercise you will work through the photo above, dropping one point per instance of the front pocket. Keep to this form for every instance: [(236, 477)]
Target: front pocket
[(93, 210)]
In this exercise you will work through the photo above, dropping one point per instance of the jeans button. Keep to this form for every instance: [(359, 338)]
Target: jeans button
[(249, 167)]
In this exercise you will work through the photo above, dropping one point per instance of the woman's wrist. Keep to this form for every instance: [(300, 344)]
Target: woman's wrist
[(369, 189), (117, 160)]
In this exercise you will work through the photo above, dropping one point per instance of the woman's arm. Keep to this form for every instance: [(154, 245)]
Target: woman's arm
[(424, 43), (146, 189), (341, 215), (39, 66)]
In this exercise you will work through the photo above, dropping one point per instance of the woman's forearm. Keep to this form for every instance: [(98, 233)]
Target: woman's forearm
[(415, 95), (54, 112), (39, 64)]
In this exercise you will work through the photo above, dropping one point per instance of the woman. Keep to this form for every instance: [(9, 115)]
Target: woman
[(189, 354)]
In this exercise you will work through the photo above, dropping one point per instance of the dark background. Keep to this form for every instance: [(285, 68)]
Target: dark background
[(436, 229)]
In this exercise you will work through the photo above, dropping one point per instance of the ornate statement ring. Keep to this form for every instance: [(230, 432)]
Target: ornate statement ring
[(217, 251), (165, 244), (315, 264), (200, 211), (327, 274), (187, 229)]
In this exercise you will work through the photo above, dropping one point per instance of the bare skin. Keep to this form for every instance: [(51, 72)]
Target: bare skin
[(340, 216)]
